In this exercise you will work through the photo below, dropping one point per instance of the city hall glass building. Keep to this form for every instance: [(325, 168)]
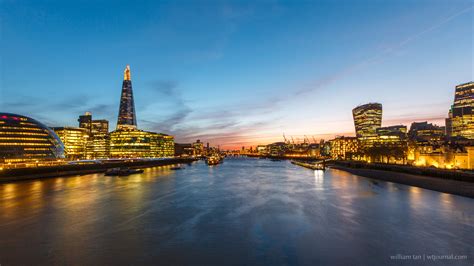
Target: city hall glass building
[(25, 139)]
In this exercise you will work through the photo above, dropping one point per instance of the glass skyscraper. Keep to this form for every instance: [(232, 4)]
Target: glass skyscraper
[(367, 119), (127, 141), (127, 117), (461, 117)]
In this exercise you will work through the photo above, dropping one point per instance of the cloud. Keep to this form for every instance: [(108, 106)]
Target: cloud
[(378, 57), (167, 88), (168, 94)]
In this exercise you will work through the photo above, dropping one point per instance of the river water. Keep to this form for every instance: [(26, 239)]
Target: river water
[(242, 212)]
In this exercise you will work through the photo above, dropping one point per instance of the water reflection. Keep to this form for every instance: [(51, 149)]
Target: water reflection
[(246, 210), (319, 179)]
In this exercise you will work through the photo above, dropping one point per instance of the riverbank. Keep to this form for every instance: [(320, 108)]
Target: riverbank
[(299, 158), (450, 186), (459, 175), (18, 174)]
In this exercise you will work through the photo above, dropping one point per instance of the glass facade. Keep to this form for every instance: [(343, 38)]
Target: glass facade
[(426, 132), (392, 136), (126, 117), (74, 140), (85, 122), (24, 139), (134, 143), (367, 119), (461, 117), (198, 148), (97, 146)]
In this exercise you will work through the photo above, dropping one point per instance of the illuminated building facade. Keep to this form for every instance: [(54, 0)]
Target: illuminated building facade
[(277, 149), (461, 117), (126, 117), (367, 119), (262, 149), (459, 158), (74, 140), (314, 150), (392, 136), (344, 147), (165, 145), (97, 146), (426, 132), (129, 142), (25, 139), (85, 122), (198, 148), (99, 127), (136, 143)]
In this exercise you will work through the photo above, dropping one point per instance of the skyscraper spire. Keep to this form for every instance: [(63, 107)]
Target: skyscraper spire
[(126, 73), (126, 116)]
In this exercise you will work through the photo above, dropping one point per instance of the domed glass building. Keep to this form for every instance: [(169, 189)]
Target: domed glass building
[(24, 139)]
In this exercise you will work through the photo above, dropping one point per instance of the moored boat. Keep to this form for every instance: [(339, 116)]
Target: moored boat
[(122, 171), (316, 166), (214, 160)]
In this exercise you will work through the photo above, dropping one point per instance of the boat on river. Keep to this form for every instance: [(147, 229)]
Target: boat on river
[(315, 166), (214, 160), (122, 171)]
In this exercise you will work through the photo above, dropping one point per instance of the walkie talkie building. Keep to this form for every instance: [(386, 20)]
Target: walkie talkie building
[(367, 119)]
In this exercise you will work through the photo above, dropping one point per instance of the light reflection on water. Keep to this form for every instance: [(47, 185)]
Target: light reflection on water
[(245, 211)]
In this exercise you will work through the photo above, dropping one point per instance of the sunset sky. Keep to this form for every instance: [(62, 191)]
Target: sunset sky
[(235, 73)]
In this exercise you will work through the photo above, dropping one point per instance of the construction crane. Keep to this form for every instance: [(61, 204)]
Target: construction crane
[(306, 140)]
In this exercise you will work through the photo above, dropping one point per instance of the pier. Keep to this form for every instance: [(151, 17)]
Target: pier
[(320, 165)]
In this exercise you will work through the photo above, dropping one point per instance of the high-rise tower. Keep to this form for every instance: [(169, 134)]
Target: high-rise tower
[(367, 119), (126, 116), (461, 115)]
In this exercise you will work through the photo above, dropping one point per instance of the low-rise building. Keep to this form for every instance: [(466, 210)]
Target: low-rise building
[(344, 147), (449, 158), (198, 148), (135, 143), (74, 140)]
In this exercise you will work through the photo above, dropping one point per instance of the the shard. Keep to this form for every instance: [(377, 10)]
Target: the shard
[(126, 117)]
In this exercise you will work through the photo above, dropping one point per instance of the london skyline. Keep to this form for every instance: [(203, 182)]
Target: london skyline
[(261, 72)]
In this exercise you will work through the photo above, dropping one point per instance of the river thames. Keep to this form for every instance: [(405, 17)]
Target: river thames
[(244, 211)]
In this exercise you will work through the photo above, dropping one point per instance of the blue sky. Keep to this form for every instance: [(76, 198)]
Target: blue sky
[(235, 72)]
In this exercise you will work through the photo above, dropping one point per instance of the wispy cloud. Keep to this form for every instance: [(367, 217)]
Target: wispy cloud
[(378, 57), (168, 93)]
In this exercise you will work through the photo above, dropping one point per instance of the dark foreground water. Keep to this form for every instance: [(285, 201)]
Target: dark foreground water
[(245, 211)]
